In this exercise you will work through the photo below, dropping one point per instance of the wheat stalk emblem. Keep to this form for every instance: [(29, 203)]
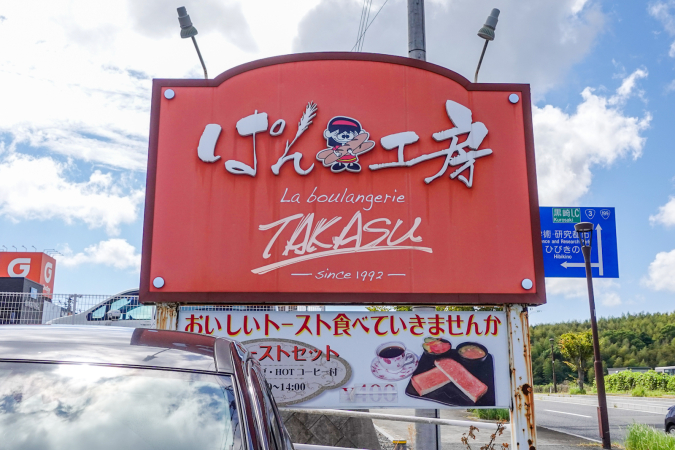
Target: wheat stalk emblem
[(305, 122)]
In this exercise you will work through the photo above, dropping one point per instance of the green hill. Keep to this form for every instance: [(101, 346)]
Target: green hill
[(630, 340)]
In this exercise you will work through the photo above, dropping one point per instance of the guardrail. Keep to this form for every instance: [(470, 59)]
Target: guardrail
[(611, 403), (393, 417), (33, 308), (320, 447)]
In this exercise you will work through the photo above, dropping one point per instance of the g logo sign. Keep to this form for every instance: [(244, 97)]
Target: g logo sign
[(49, 270), (24, 267)]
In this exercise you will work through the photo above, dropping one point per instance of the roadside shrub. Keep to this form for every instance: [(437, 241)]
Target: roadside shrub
[(653, 381), (649, 381), (577, 391), (492, 414), (639, 392), (563, 388), (622, 381), (643, 437), (671, 384)]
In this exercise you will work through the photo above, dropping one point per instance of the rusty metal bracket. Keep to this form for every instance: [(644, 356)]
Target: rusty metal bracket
[(523, 428), (167, 316)]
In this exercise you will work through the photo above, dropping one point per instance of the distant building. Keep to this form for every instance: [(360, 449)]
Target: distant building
[(613, 370), (670, 370)]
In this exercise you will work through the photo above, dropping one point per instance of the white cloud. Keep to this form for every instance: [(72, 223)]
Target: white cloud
[(536, 44), (37, 188), (567, 287), (605, 289), (628, 86), (576, 287), (666, 214), (597, 133), (77, 78), (610, 299), (664, 12), (117, 253), (661, 272), (69, 97)]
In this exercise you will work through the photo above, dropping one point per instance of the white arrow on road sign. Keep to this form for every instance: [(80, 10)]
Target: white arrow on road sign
[(599, 265)]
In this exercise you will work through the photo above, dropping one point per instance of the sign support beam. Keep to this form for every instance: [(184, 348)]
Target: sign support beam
[(523, 429), (167, 316)]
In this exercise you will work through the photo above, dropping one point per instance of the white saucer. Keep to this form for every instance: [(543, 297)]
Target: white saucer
[(383, 374)]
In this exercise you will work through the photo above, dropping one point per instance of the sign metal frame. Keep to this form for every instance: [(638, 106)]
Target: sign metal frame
[(306, 298)]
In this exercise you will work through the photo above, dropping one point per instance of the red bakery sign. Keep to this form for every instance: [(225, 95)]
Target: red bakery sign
[(341, 178)]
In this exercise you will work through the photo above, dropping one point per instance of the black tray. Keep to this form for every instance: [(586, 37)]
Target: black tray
[(450, 394)]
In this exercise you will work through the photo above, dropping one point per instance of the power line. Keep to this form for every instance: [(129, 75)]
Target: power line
[(362, 35), (362, 31), (361, 23), (363, 38)]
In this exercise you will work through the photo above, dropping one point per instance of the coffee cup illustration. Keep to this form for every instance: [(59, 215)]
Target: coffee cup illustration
[(393, 356)]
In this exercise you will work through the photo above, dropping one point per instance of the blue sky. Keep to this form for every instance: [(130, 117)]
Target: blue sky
[(75, 84)]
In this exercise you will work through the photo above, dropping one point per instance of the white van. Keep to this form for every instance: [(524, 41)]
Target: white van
[(120, 310)]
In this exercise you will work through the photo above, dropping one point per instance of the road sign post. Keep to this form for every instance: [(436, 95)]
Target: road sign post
[(585, 231)]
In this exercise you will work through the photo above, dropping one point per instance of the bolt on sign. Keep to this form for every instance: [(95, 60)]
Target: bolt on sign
[(303, 178), (431, 359)]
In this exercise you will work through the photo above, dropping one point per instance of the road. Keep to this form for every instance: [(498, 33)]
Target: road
[(573, 416), (562, 422), (451, 435)]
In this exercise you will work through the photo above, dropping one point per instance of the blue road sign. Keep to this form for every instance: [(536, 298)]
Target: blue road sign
[(560, 243)]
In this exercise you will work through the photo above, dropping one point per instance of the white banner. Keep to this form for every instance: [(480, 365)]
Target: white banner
[(430, 359)]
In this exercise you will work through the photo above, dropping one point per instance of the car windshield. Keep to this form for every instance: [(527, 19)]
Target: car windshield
[(78, 407)]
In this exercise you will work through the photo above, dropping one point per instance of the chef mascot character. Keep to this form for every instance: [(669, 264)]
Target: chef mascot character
[(346, 140)]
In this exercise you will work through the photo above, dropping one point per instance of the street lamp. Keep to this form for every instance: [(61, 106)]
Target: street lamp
[(187, 30), (487, 32), (585, 232), (555, 386)]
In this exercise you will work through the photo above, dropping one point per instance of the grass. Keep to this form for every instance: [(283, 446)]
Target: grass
[(644, 392), (615, 445), (491, 414), (577, 391), (639, 392), (643, 437)]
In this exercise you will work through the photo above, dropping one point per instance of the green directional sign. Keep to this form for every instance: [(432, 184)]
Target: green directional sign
[(566, 215)]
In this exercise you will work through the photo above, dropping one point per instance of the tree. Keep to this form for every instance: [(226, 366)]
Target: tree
[(438, 308), (651, 338), (576, 348), (667, 332)]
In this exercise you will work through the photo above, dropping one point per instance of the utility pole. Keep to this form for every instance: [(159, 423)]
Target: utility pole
[(417, 44), (555, 386), (427, 437), (585, 231)]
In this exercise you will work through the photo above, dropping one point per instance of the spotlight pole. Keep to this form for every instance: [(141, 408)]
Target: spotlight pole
[(487, 32), (201, 60), (187, 30), (585, 231)]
